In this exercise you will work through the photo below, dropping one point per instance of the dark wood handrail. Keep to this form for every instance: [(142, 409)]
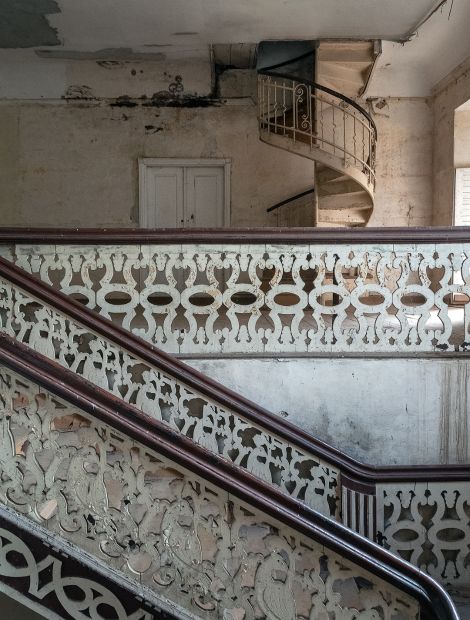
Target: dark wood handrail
[(296, 436), (325, 89), (291, 512), (290, 199), (293, 236), (271, 72)]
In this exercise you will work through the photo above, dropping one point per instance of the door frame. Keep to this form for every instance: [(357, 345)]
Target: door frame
[(145, 163)]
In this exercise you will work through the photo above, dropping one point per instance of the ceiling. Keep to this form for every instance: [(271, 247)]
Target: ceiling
[(414, 68), (187, 27), (65, 31)]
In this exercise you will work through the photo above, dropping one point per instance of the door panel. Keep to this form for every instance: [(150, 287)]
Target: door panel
[(165, 197), (181, 195), (204, 204)]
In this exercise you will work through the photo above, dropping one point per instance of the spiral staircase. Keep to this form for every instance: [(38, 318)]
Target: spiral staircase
[(322, 121)]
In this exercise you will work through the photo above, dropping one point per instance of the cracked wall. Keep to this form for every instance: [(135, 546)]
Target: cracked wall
[(370, 408), (73, 130)]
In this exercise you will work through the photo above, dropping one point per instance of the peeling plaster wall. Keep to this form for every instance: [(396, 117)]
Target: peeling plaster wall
[(75, 164), (404, 162), (449, 94), (71, 159), (381, 411), (25, 75)]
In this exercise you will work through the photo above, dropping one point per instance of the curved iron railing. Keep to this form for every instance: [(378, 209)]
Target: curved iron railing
[(287, 201), (297, 209), (318, 116)]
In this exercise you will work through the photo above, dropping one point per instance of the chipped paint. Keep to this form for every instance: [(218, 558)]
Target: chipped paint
[(109, 54), (454, 440), (79, 92), (23, 23)]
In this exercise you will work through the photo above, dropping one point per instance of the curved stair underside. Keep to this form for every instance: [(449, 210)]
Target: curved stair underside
[(322, 122)]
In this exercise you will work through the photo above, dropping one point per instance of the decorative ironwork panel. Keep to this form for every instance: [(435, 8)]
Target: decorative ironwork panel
[(189, 541), (251, 299), (56, 583), (428, 524), (166, 398), (305, 112)]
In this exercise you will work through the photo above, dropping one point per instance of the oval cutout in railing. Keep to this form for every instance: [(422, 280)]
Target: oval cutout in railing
[(160, 299), (336, 299), (117, 298), (82, 299), (201, 299), (456, 299), (406, 535), (450, 534), (372, 300), (413, 300), (243, 299), (286, 299)]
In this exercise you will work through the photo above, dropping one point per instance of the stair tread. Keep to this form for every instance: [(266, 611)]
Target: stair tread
[(345, 202), (346, 68), (351, 51), (347, 186)]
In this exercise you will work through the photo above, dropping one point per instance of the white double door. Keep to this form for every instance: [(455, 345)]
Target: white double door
[(182, 195)]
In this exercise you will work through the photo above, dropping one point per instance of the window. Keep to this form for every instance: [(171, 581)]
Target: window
[(462, 197)]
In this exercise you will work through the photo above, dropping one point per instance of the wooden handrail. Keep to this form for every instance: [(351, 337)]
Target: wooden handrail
[(290, 199), (325, 89), (271, 72), (296, 436), (291, 512), (294, 236)]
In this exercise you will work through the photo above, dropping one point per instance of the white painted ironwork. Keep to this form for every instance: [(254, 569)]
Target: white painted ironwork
[(319, 118), (269, 298), (165, 527), (166, 398), (428, 524), (77, 597)]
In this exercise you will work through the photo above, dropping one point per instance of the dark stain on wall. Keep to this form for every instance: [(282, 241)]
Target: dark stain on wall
[(23, 23), (78, 91), (114, 56)]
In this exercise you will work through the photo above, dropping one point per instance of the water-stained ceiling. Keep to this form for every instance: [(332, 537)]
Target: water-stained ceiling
[(189, 26)]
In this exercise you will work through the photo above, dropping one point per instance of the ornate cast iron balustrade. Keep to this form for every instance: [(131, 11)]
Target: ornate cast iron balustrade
[(102, 360), (428, 524), (322, 119), (368, 500), (59, 580), (170, 530), (269, 298)]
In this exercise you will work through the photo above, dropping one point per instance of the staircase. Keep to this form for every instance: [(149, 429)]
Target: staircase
[(118, 406), (322, 121), (346, 66)]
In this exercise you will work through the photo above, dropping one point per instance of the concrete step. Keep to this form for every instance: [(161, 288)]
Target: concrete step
[(342, 218), (322, 224), (349, 51), (329, 176), (338, 72), (337, 186), (358, 200)]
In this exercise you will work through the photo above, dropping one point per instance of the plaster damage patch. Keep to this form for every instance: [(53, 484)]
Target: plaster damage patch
[(109, 54), (23, 23)]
